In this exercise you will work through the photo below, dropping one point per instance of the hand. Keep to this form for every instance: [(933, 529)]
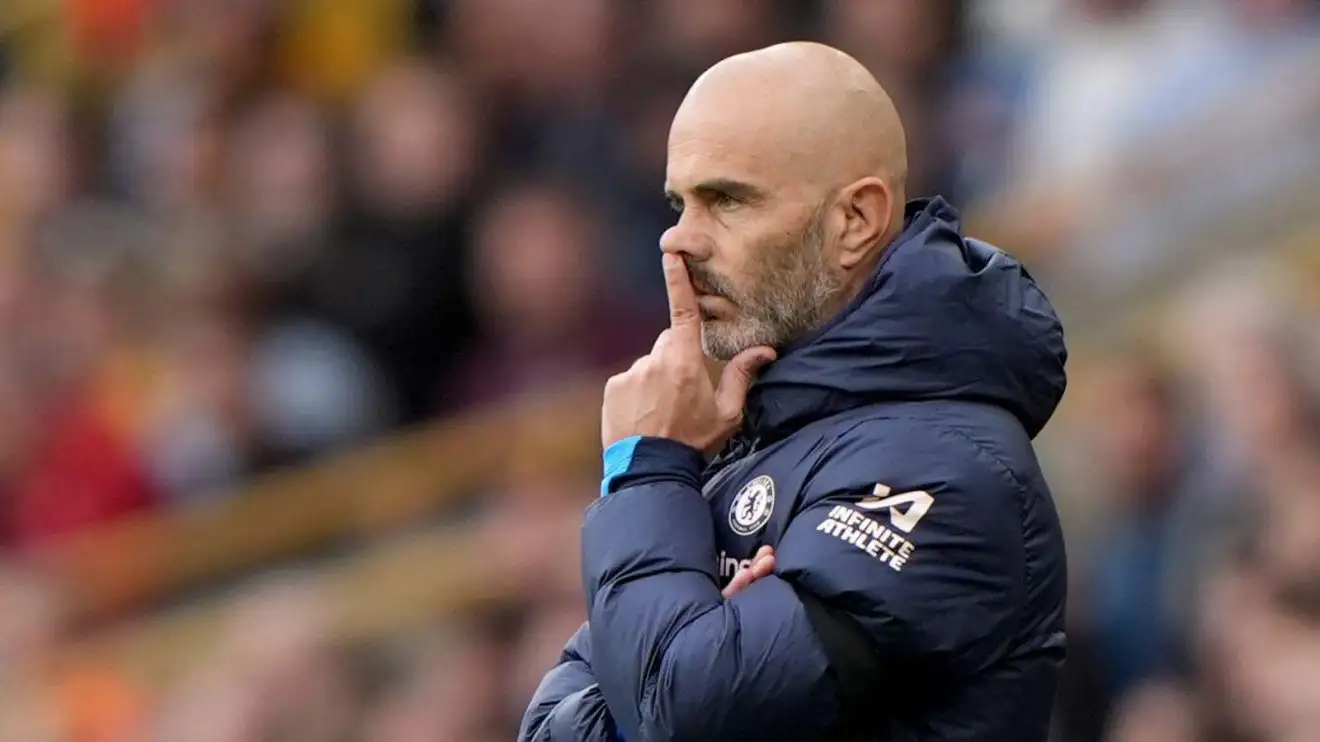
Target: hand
[(667, 393), (763, 565)]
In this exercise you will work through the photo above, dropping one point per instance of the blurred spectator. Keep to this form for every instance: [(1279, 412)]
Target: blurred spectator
[(1132, 108), (452, 691), (565, 48), (398, 281), (547, 315), (201, 440), (76, 465), (1260, 623), (313, 387), (77, 475), (1122, 633), (641, 212), (547, 105), (281, 195), (914, 48), (276, 675), (163, 142), (30, 632), (540, 646), (1157, 712), (224, 44), (37, 166), (1093, 71), (29, 638), (314, 391), (696, 36), (538, 519), (50, 692), (1243, 41)]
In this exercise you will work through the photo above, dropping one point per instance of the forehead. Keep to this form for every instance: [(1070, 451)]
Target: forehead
[(717, 141)]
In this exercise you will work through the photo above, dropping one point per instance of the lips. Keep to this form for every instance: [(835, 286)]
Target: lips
[(706, 285), (703, 290)]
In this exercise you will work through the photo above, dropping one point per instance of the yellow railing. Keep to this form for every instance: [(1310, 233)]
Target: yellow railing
[(357, 494), (406, 582)]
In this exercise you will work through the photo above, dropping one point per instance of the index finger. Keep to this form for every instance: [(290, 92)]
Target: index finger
[(684, 311)]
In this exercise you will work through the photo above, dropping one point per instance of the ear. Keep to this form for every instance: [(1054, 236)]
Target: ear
[(867, 207)]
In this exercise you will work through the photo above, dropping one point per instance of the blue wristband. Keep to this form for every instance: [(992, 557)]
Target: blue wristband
[(618, 457)]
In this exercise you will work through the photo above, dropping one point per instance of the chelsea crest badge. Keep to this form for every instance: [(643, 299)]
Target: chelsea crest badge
[(752, 506)]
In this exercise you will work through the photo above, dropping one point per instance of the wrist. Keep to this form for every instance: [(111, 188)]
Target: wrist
[(618, 456), (644, 458)]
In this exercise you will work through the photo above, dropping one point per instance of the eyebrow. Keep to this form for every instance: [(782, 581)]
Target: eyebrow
[(735, 188)]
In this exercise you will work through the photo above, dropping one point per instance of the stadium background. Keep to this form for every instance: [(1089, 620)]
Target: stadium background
[(305, 305)]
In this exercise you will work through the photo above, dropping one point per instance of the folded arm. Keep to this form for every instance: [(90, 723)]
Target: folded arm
[(568, 705), (785, 658)]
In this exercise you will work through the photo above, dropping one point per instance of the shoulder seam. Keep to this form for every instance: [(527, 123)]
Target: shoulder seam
[(816, 463), (1018, 484), (998, 460)]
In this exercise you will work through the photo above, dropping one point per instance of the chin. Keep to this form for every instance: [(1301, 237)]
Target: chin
[(716, 340), (723, 339)]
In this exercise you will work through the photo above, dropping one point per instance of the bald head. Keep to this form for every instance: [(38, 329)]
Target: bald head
[(815, 107), (788, 165)]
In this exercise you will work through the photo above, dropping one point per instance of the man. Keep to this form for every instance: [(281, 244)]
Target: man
[(883, 453)]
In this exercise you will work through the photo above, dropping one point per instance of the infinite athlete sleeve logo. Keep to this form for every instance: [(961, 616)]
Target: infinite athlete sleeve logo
[(918, 502), (881, 542)]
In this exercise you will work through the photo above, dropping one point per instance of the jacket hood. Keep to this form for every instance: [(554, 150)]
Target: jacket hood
[(943, 317)]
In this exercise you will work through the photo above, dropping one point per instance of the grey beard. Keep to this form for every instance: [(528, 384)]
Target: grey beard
[(794, 291), (786, 316)]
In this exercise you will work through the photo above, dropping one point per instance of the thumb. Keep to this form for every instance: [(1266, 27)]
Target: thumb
[(737, 379)]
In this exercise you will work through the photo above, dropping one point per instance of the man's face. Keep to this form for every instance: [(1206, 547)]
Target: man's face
[(755, 243)]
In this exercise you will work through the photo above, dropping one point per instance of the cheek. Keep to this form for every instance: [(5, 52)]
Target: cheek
[(770, 259), (750, 258), (746, 251), (718, 268)]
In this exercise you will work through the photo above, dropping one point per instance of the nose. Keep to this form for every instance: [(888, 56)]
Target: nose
[(684, 241)]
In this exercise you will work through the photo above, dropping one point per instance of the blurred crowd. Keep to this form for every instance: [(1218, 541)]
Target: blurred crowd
[(240, 235), (1195, 609)]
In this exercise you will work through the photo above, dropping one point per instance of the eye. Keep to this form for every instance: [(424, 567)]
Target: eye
[(676, 204), (722, 200)]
